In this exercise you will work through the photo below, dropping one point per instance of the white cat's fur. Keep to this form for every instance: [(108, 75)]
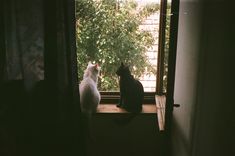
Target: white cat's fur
[(89, 94)]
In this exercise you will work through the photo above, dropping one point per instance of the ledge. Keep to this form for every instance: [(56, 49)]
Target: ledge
[(112, 108), (157, 108)]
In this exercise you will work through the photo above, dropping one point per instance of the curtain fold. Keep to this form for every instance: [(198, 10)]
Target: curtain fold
[(2, 42), (24, 41), (60, 51)]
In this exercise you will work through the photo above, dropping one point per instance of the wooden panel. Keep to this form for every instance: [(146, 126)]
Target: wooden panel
[(160, 104), (112, 108)]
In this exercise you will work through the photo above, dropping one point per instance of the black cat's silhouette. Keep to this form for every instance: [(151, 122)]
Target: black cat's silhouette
[(131, 90)]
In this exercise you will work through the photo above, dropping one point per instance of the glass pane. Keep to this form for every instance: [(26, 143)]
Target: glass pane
[(113, 31)]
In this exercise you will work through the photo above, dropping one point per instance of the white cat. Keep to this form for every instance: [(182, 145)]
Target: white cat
[(89, 94)]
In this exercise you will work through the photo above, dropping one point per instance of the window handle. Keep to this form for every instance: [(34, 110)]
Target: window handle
[(176, 105)]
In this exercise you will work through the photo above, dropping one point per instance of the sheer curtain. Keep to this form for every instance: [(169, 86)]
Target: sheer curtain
[(24, 41)]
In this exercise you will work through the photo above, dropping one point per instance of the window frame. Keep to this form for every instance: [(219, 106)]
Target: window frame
[(111, 97)]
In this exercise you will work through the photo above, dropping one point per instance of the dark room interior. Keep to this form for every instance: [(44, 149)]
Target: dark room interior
[(40, 113)]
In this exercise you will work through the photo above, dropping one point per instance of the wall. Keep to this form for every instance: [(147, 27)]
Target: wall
[(214, 124), (202, 126), (112, 137), (186, 76)]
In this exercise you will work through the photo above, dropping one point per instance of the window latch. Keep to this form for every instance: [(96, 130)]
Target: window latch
[(176, 105)]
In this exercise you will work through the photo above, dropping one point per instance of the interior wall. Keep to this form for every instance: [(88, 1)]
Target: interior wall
[(215, 123), (187, 62), (204, 125), (112, 136)]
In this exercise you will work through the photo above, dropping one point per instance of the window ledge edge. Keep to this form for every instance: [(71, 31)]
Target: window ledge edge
[(112, 108)]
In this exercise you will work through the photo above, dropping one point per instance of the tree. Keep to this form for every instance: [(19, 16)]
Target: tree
[(108, 33)]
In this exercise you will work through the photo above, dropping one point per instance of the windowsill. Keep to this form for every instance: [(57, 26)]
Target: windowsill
[(112, 108), (157, 108)]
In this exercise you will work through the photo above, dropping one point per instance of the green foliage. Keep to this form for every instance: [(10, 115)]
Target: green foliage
[(108, 33)]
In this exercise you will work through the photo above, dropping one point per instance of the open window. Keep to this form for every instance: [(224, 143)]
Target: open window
[(135, 32)]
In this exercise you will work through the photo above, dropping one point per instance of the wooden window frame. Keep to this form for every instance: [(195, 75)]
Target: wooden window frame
[(149, 97), (113, 97)]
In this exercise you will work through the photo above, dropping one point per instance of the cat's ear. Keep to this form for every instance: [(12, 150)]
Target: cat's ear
[(89, 63), (97, 66)]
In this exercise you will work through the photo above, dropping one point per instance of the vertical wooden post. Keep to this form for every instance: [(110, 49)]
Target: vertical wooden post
[(171, 72), (161, 47)]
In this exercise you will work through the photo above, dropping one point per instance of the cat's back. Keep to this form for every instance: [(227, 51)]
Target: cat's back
[(87, 84), (89, 94), (139, 85), (133, 84)]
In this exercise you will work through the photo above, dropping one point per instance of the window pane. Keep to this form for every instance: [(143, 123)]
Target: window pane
[(113, 31)]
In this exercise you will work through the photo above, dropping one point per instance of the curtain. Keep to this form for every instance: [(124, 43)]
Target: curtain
[(39, 95), (24, 41)]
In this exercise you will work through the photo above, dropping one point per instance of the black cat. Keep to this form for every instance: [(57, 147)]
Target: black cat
[(131, 90)]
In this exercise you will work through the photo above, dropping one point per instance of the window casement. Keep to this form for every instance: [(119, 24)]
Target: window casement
[(112, 97)]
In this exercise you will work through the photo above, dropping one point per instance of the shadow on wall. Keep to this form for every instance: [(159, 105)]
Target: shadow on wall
[(180, 139)]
